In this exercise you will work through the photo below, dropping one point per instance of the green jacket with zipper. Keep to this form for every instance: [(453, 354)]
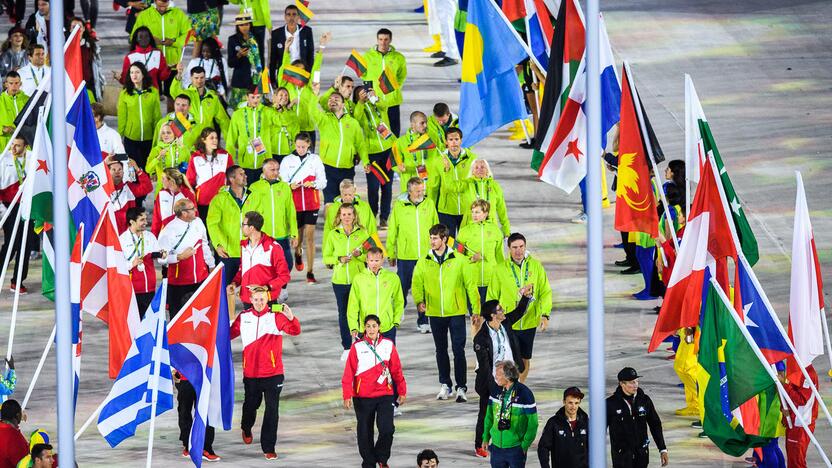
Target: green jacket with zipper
[(395, 61), (486, 239), (246, 124), (341, 138), (443, 286), (274, 201), (378, 294), (340, 244), (447, 189), (408, 229), (138, 113), (489, 190), (507, 280), (225, 221)]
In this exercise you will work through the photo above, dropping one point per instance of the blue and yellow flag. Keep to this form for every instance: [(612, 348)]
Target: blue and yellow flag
[(490, 94)]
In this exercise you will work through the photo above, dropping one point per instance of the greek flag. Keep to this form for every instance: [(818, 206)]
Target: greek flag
[(148, 361)]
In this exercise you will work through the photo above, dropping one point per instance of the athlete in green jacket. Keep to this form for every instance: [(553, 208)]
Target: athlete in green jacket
[(341, 135), (410, 221), (284, 124), (225, 214), (482, 186), (344, 85), (439, 123), (382, 56), (453, 168), (138, 113), (485, 246), (365, 214), (12, 101), (376, 291), (517, 271), (272, 198), (206, 106), (303, 97), (169, 152), (416, 163), (169, 26), (371, 113), (249, 135)]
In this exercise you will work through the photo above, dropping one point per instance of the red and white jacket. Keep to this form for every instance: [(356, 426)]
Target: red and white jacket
[(261, 265), (208, 177), (9, 176), (152, 59), (363, 370), (124, 197), (142, 245), (175, 238), (297, 170), (262, 335), (163, 207)]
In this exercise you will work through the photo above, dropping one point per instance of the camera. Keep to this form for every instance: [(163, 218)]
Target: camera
[(504, 424)]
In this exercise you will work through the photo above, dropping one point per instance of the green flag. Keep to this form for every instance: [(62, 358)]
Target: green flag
[(731, 374), (746, 236)]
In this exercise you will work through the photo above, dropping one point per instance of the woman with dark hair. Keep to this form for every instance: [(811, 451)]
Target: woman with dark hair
[(675, 174), (244, 59), (138, 112), (143, 50), (372, 371), (211, 60), (14, 56), (284, 123), (206, 172)]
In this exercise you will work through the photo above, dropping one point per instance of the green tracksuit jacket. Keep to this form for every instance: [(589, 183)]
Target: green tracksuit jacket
[(507, 280), (365, 216), (273, 200), (379, 295), (395, 61), (225, 221), (138, 114), (443, 286), (207, 110), (489, 190), (339, 244), (10, 106), (486, 239), (447, 189), (341, 139), (412, 161), (408, 229), (246, 124), (173, 24)]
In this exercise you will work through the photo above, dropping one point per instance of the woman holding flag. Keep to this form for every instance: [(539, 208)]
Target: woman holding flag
[(169, 152)]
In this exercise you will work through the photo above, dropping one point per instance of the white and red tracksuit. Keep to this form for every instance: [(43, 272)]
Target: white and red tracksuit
[(207, 175), (152, 59), (163, 207), (175, 238), (124, 197), (262, 264), (797, 441), (363, 369), (9, 177), (142, 245), (262, 335), (296, 170)]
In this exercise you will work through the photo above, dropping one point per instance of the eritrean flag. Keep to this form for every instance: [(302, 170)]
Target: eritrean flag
[(379, 173), (304, 11), (456, 245), (421, 144), (387, 81), (357, 63), (180, 124), (295, 75), (373, 241)]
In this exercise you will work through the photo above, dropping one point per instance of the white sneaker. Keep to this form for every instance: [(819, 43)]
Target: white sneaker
[(424, 328), (284, 296), (444, 393), (396, 411), (460, 395), (345, 355), (580, 219)]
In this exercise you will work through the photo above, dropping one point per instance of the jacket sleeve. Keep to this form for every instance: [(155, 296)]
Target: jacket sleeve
[(231, 137), (488, 422), (221, 116), (206, 247), (516, 314), (156, 222), (398, 302), (543, 293), (328, 252), (280, 270), (142, 186), (417, 288), (324, 98), (361, 146), (348, 378), (233, 60), (473, 292), (546, 444), (655, 424), (291, 215), (156, 112), (396, 372), (392, 232), (320, 175), (502, 212), (401, 73), (235, 327), (122, 112), (354, 307), (291, 327), (531, 428)]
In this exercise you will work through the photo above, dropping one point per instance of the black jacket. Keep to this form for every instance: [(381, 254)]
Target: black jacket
[(485, 353), (560, 446), (628, 431), (241, 66), (307, 49)]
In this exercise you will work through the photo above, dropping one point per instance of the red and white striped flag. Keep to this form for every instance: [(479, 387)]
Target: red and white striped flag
[(106, 290)]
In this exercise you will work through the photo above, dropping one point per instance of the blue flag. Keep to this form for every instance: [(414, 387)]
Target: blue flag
[(759, 319), (490, 94), (129, 402)]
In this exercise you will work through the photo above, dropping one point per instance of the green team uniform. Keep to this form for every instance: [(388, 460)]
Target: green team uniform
[(370, 116), (225, 221), (408, 229), (249, 123), (395, 61), (207, 109), (437, 130), (447, 189), (489, 190), (189, 138), (339, 244), (307, 101), (507, 280), (10, 106), (284, 125), (175, 155), (341, 138), (273, 200), (486, 239), (349, 104), (449, 298), (138, 114), (173, 24), (362, 208), (379, 295), (412, 161)]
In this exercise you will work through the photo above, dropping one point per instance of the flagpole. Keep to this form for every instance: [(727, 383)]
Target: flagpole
[(688, 140), (89, 420), (648, 146), (38, 369), (595, 240), (60, 208), (517, 36), (12, 238), (155, 372), (770, 372)]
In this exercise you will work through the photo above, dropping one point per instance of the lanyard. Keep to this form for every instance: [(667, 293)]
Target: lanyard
[(174, 155), (183, 237), (421, 152), (501, 339), (506, 397), (34, 77), (516, 278), (139, 246), (486, 191), (117, 195), (373, 349), (299, 168), (259, 122), (21, 172)]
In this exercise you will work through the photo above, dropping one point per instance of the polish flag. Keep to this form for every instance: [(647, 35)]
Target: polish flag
[(806, 306)]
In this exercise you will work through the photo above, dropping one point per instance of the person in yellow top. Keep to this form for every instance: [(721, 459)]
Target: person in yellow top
[(480, 185), (168, 152), (453, 167), (485, 246), (12, 101), (284, 124), (376, 291)]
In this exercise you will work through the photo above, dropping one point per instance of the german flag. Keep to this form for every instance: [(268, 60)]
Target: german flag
[(179, 125), (373, 241), (379, 173), (421, 144), (387, 81), (357, 63), (295, 75), (304, 11), (263, 86), (456, 245)]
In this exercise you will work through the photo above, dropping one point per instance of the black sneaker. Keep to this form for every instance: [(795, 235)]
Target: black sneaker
[(439, 54), (631, 271), (446, 62)]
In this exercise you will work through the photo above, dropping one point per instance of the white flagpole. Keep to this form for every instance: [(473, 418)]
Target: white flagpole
[(770, 372), (154, 376), (90, 420), (38, 369), (688, 140), (644, 134), (20, 259)]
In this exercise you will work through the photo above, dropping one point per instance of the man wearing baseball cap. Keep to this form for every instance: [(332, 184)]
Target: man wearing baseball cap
[(565, 439), (629, 412)]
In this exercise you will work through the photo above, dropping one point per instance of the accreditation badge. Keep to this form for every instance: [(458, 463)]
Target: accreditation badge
[(256, 144)]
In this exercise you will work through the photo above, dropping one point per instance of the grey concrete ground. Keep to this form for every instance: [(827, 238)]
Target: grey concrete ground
[(762, 69)]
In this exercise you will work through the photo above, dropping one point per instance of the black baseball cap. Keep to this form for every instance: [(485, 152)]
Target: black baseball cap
[(627, 374), (573, 392)]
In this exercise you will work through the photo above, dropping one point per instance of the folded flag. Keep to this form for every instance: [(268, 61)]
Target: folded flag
[(379, 173), (264, 87), (421, 144), (295, 75), (180, 124), (357, 63), (304, 12), (397, 156), (456, 245), (387, 81), (373, 241)]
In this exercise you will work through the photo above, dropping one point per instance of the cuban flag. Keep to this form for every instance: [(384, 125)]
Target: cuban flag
[(200, 350), (564, 162), (760, 319), (145, 374)]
